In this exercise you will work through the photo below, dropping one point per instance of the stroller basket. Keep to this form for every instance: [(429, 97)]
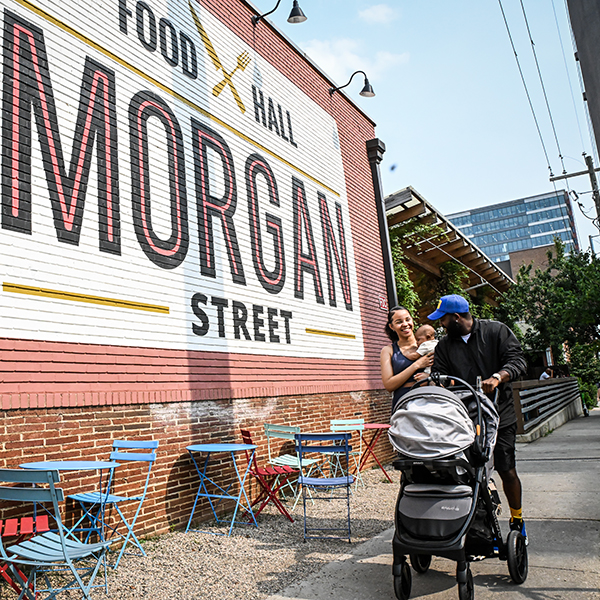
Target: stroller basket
[(429, 511)]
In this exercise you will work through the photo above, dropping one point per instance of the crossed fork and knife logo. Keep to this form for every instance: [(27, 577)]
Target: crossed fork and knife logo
[(243, 60)]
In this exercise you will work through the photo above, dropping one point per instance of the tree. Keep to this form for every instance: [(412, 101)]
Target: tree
[(585, 365), (559, 304)]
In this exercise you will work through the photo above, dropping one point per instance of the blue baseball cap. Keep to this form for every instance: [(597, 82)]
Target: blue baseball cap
[(449, 304)]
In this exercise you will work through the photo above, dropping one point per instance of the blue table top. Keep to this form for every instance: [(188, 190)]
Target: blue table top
[(71, 465), (220, 447)]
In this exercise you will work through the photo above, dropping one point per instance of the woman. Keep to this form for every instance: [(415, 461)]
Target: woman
[(398, 372)]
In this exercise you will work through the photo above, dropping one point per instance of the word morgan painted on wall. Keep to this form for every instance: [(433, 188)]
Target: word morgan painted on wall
[(150, 158)]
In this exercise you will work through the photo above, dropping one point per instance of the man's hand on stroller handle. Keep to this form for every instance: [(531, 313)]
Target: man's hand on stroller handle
[(490, 384)]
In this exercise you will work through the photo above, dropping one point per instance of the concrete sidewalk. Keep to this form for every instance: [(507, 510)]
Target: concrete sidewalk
[(561, 481)]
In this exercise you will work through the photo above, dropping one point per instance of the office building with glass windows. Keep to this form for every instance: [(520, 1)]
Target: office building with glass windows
[(517, 229)]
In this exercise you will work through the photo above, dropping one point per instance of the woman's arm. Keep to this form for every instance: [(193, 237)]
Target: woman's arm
[(392, 382)]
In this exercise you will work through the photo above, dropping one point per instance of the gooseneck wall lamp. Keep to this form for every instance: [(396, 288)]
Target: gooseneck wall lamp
[(296, 15), (367, 90)]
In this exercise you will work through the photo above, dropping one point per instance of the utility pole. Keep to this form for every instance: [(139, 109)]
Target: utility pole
[(589, 161), (591, 171)]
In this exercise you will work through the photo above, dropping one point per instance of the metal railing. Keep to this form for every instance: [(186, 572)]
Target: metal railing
[(536, 401)]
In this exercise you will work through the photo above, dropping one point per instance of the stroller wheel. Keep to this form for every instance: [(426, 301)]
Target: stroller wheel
[(466, 590), (516, 550), (403, 583), (420, 562)]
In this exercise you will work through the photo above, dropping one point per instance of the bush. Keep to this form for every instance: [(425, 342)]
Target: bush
[(589, 394)]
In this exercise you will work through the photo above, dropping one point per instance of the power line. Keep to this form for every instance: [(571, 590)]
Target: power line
[(537, 64), (537, 126)]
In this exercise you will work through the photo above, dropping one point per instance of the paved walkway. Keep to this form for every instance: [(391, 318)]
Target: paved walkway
[(561, 480)]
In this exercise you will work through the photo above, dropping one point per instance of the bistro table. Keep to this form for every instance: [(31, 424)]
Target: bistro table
[(203, 492), (104, 488), (378, 429)]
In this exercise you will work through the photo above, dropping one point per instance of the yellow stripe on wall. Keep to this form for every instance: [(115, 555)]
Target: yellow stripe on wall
[(348, 336), (16, 288), (42, 13)]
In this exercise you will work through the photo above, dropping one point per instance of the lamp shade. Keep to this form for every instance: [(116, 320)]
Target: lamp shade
[(296, 15), (367, 90)]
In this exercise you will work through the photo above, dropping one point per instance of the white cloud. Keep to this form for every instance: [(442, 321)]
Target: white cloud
[(378, 14), (341, 57)]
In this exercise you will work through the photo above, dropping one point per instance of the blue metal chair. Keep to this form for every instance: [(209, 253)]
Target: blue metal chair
[(96, 504), (330, 444), (52, 556)]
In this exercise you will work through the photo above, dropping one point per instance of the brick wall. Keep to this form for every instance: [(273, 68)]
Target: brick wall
[(86, 433)]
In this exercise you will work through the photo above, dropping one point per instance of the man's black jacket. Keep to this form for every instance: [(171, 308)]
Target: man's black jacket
[(492, 347)]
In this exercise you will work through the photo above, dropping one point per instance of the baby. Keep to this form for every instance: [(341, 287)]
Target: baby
[(426, 343)]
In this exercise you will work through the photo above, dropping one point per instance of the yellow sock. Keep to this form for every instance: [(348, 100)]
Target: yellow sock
[(516, 513)]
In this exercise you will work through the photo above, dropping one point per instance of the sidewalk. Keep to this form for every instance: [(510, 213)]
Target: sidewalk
[(561, 481)]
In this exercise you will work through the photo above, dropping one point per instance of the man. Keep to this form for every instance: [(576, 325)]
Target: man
[(474, 347), (546, 374)]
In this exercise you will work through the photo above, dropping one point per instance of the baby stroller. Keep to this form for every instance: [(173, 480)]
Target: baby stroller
[(448, 505)]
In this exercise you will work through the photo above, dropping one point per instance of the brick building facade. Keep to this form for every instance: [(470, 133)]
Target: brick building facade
[(189, 238)]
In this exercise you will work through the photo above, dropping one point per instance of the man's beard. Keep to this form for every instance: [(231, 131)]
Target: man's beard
[(454, 329)]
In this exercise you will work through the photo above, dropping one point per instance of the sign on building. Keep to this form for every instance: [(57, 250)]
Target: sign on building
[(163, 186)]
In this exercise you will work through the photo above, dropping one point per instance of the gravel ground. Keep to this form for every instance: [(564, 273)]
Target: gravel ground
[(253, 563)]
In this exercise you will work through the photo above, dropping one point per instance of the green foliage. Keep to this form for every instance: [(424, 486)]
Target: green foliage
[(584, 363), (427, 291), (480, 309), (405, 289), (455, 278), (560, 303), (402, 235), (413, 231), (588, 393)]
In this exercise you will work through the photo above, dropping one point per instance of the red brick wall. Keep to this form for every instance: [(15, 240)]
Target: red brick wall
[(87, 433)]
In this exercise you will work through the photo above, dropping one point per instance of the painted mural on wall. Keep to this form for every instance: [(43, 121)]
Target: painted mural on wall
[(164, 186)]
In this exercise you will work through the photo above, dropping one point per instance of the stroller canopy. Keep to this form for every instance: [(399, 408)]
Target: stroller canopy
[(431, 422)]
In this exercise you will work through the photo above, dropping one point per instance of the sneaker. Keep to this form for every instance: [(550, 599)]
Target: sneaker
[(519, 525)]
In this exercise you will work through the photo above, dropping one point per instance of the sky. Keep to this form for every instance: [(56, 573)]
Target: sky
[(450, 104)]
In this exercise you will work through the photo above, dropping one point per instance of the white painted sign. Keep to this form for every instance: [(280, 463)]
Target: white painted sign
[(164, 186)]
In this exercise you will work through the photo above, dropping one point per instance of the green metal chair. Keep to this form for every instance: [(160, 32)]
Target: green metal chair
[(286, 432), (51, 557), (350, 426)]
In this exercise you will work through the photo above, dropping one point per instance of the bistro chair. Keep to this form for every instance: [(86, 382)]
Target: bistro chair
[(97, 504), (325, 488), (286, 432), (20, 529), (352, 426), (56, 562), (270, 480)]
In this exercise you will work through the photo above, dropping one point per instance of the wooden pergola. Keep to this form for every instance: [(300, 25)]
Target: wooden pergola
[(426, 255)]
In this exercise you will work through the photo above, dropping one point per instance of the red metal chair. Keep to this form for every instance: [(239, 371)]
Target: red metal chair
[(21, 529), (270, 479)]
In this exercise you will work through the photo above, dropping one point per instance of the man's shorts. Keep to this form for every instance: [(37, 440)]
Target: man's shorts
[(504, 453)]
